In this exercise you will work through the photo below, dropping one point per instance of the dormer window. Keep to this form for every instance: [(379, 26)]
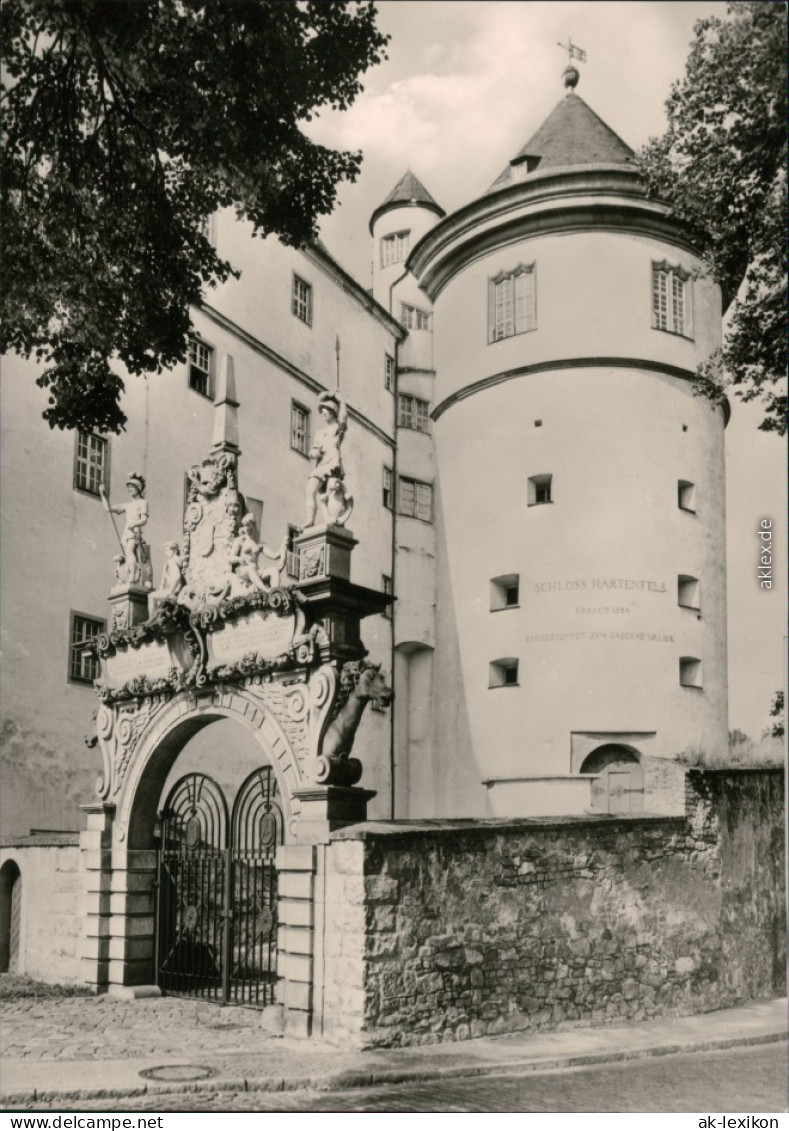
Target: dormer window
[(671, 300), (511, 306), (523, 165)]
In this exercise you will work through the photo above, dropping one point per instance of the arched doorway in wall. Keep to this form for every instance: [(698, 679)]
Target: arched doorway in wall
[(10, 916), (619, 787), (216, 883)]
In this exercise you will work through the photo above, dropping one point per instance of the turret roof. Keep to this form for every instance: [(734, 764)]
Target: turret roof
[(572, 134), (408, 190)]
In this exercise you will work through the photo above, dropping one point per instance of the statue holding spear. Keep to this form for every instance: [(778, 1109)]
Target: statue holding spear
[(136, 565), (326, 479)]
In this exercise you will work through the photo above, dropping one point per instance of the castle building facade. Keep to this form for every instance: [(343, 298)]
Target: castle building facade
[(533, 482)]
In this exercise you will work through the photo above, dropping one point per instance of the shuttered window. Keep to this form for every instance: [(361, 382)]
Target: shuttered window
[(671, 300), (511, 303), (415, 499)]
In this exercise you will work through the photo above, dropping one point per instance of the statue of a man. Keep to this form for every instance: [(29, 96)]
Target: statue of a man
[(136, 555), (326, 449)]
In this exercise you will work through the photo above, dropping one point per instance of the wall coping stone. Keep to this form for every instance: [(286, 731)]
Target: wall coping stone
[(713, 770), (484, 826), (40, 840)]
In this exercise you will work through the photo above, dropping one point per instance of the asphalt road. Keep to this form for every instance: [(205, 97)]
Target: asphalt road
[(752, 1080)]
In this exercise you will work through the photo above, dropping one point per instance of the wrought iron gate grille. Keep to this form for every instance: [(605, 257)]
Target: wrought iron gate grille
[(217, 890)]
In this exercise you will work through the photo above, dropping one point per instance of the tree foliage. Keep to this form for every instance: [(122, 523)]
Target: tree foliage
[(777, 728), (722, 165), (126, 123)]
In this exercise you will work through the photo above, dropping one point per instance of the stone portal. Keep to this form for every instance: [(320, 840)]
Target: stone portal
[(198, 898)]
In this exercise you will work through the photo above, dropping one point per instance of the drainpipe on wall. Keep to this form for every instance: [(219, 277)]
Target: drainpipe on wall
[(393, 606)]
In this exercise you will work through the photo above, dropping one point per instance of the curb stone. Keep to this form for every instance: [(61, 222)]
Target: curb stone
[(343, 1081)]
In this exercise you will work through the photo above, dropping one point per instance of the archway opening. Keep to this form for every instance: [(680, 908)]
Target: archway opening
[(217, 889), (619, 785), (10, 916), (204, 824)]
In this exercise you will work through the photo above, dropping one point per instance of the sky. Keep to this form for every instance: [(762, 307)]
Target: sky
[(465, 84)]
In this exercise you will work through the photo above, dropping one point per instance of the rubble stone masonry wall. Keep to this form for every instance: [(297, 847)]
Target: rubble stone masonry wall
[(447, 930)]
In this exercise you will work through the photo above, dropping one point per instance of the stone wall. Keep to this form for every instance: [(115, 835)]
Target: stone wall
[(50, 923), (441, 931)]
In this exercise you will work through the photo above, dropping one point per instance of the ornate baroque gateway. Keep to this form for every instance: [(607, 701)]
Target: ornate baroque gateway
[(219, 622), (228, 634)]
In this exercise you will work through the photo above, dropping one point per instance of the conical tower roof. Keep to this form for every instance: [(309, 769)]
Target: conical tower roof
[(408, 190), (572, 134)]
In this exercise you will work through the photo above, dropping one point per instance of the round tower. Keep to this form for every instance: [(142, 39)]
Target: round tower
[(396, 225), (581, 481)]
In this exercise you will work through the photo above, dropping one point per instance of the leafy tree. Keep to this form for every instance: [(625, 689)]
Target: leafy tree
[(738, 738), (126, 123), (776, 729), (722, 165)]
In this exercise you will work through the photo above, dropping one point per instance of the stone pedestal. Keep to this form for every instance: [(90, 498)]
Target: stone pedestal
[(325, 808), (324, 551), (129, 606)]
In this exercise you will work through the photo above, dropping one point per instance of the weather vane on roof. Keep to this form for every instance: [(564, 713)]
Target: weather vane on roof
[(573, 51)]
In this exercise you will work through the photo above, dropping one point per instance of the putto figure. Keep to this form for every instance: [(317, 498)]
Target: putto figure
[(326, 452), (135, 569), (337, 503), (172, 581), (244, 557)]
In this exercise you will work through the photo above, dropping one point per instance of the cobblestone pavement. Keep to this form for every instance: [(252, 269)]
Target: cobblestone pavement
[(77, 1050), (744, 1080), (84, 1027)]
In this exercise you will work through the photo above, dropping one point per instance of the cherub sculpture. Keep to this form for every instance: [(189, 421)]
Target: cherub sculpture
[(172, 581), (244, 556), (337, 503)]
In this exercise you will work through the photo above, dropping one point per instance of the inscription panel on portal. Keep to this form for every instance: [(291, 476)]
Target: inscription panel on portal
[(267, 634), (151, 659)]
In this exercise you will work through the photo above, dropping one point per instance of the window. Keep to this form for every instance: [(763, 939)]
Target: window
[(91, 463), (83, 668), (386, 585), (299, 428), (292, 561), (388, 499), (688, 592), (504, 592), (394, 248), (671, 300), (302, 300), (503, 673), (686, 495), (389, 373), (511, 308), (413, 318), (690, 671), (412, 413), (540, 490), (415, 499), (201, 368)]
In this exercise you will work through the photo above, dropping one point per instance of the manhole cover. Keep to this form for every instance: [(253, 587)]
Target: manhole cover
[(171, 1072)]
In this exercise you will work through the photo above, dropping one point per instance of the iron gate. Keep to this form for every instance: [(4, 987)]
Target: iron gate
[(217, 890)]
